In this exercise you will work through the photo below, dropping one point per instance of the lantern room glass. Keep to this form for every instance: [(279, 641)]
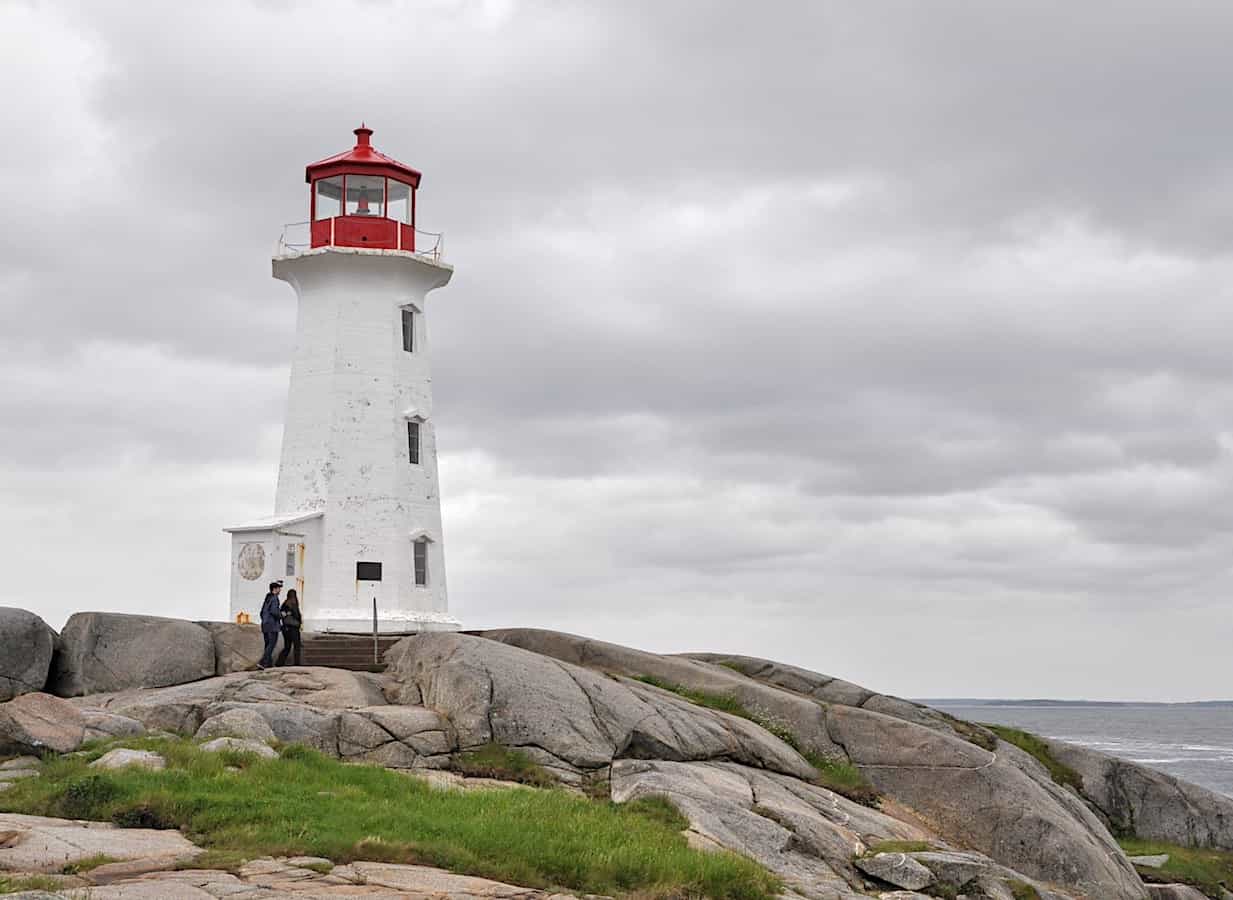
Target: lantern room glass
[(365, 195), (398, 204), (328, 201)]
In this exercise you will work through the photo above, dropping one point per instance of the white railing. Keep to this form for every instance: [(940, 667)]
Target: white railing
[(296, 237)]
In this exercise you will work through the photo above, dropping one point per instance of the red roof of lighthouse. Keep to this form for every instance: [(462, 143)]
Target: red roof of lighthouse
[(363, 157)]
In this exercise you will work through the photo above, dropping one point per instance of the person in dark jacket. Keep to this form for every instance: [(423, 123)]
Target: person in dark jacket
[(292, 622), (271, 622)]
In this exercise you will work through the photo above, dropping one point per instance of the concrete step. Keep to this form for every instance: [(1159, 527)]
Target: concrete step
[(346, 651)]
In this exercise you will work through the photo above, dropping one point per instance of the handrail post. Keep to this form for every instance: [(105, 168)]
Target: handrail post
[(375, 646)]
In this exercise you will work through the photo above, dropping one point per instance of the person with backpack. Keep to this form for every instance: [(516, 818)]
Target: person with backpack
[(292, 622), (271, 623)]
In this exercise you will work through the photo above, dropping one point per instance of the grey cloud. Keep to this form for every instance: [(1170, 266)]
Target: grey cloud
[(809, 315)]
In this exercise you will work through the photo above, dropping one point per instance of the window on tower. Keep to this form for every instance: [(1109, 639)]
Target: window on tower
[(413, 442), (421, 561), (365, 195), (408, 330), (328, 198), (399, 201)]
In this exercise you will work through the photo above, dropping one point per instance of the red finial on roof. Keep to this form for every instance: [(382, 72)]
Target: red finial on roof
[(362, 134)]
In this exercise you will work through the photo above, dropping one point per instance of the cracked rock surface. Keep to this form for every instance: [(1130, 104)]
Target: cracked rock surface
[(584, 710), (26, 646)]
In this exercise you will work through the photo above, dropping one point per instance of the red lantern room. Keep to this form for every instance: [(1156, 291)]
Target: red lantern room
[(362, 198)]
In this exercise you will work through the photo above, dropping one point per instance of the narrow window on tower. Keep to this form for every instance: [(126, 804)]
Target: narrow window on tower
[(421, 561), (413, 442), (408, 330)]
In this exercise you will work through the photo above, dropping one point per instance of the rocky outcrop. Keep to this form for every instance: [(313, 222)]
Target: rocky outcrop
[(1137, 800), (805, 834), (804, 719), (831, 690), (983, 801), (100, 652), (237, 648), (26, 646), (969, 795), (38, 723), (40, 844), (568, 718)]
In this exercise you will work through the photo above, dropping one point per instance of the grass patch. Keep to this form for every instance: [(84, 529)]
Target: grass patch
[(722, 702), (659, 809), (836, 775), (1061, 773), (1021, 890), (971, 732), (15, 884), (1210, 871), (316, 806), (843, 778), (497, 761), (899, 847), (85, 865)]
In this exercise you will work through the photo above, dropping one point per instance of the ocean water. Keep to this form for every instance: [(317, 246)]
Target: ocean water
[(1194, 743)]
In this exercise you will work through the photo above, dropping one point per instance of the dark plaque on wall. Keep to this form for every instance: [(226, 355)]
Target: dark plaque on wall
[(368, 571)]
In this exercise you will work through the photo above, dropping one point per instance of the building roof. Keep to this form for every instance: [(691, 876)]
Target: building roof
[(272, 522), (363, 157)]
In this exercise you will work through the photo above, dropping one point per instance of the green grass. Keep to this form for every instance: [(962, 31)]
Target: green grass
[(971, 732), (496, 761), (316, 806), (722, 702), (899, 847), (1021, 890), (85, 865), (836, 775), (16, 883), (1208, 870), (1059, 772)]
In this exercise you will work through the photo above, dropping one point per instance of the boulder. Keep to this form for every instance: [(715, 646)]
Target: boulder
[(984, 801), (294, 723), (105, 725), (237, 648), (397, 737), (239, 745), (37, 723), (183, 708), (567, 718), (1152, 861), (827, 688), (1147, 803), (246, 724), (896, 869), (26, 646), (803, 718), (100, 652), (1175, 892), (123, 757), (804, 833)]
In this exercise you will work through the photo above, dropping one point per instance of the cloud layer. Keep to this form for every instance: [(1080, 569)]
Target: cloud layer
[(887, 339)]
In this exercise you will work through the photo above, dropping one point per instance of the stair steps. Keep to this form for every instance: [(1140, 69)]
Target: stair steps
[(347, 651)]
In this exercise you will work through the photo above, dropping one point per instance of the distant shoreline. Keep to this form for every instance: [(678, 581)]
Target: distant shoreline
[(975, 701)]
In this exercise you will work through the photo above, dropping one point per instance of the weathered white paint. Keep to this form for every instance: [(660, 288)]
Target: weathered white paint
[(345, 455)]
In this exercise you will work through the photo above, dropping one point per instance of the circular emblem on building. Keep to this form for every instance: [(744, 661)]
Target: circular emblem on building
[(251, 561)]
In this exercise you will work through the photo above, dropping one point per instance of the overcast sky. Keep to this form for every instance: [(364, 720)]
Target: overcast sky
[(888, 339)]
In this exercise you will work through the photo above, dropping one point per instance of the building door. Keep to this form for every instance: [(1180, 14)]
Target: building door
[(293, 552)]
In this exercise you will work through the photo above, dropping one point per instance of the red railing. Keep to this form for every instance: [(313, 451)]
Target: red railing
[(297, 237)]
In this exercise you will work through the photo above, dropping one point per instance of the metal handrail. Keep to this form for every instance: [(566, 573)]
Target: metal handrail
[(286, 247)]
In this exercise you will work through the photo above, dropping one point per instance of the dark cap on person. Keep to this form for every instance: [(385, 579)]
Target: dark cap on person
[(275, 585)]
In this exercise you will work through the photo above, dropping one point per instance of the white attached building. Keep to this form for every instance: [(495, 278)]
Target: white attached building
[(358, 509)]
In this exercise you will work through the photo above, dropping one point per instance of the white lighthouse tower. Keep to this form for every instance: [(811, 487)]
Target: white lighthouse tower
[(357, 514)]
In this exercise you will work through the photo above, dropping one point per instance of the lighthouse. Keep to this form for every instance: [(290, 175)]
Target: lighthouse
[(356, 528)]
